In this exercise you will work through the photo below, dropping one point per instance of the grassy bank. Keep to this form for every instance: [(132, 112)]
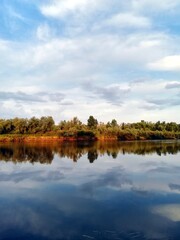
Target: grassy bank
[(41, 138), (123, 135)]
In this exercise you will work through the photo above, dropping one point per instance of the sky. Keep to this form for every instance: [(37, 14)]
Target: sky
[(110, 59)]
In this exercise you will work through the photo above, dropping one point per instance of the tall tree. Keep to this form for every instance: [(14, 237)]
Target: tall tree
[(92, 122)]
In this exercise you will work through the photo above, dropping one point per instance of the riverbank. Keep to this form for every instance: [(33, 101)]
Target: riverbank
[(121, 136), (18, 138)]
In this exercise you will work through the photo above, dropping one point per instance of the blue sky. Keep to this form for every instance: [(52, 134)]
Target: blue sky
[(110, 59)]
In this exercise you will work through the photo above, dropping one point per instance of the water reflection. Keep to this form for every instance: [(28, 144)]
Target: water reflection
[(130, 191), (23, 153), (44, 153)]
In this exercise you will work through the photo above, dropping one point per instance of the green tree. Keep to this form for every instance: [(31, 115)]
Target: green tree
[(34, 125), (114, 123), (20, 125), (92, 122), (1, 126), (8, 126), (46, 124)]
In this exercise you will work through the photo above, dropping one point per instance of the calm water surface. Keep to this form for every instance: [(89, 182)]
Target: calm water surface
[(90, 191)]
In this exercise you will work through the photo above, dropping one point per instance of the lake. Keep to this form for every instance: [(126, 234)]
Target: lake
[(110, 190)]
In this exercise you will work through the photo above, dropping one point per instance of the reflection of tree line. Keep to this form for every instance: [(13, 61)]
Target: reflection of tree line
[(25, 153), (44, 153), (146, 147)]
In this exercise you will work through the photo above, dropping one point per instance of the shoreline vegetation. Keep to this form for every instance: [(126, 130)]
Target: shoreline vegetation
[(44, 129)]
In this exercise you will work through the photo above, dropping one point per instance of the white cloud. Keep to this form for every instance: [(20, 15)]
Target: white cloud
[(170, 211), (173, 85), (102, 102), (168, 63), (154, 5), (44, 32), (59, 9), (63, 64), (129, 20), (74, 59)]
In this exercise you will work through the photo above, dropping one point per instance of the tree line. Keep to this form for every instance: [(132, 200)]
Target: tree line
[(75, 128)]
